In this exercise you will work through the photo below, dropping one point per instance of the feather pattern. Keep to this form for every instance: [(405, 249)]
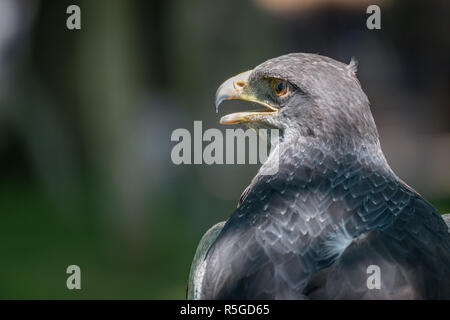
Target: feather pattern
[(297, 235)]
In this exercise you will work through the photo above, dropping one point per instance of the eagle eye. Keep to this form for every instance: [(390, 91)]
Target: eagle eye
[(279, 87)]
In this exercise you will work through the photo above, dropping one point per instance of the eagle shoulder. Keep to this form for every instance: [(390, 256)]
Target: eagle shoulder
[(198, 263)]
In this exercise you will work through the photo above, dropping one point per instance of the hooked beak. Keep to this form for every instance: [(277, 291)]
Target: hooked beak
[(236, 88)]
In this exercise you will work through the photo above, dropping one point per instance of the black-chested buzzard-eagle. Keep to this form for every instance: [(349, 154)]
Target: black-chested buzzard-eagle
[(333, 209)]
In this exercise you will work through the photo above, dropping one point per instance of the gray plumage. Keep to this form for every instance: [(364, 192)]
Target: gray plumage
[(333, 209)]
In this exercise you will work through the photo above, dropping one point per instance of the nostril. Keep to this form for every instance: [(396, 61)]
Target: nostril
[(238, 85)]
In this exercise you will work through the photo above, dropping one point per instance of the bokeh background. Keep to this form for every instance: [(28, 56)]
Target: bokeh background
[(86, 117)]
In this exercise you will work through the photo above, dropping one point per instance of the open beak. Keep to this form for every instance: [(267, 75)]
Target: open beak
[(236, 88)]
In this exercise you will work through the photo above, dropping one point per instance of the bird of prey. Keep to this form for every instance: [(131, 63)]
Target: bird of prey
[(333, 213)]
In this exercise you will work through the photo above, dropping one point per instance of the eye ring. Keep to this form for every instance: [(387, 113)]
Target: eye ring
[(279, 87)]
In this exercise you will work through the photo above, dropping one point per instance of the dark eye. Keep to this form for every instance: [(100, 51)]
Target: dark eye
[(280, 87)]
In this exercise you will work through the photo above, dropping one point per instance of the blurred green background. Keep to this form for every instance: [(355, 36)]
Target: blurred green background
[(86, 118)]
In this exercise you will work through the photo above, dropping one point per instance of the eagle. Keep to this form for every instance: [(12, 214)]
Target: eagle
[(333, 215)]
